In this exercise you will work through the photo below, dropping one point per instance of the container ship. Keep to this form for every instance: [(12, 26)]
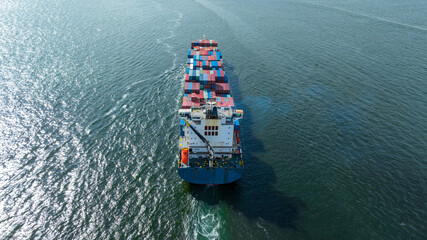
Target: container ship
[(209, 143)]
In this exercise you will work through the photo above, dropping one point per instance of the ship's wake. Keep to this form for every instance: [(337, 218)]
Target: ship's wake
[(363, 15)]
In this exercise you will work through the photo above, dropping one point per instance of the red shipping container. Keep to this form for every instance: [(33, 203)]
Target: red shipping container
[(225, 102), (201, 95), (195, 97), (186, 104), (220, 101), (187, 77), (196, 87), (186, 88), (211, 79), (222, 88)]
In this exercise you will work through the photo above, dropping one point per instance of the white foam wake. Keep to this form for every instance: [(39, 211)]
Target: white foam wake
[(358, 14)]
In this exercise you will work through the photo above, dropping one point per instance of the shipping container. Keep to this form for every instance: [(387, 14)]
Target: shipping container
[(222, 88)]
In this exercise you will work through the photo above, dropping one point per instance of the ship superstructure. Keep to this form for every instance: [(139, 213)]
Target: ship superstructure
[(209, 143)]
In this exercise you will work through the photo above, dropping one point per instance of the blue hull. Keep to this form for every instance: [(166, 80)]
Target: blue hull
[(210, 175)]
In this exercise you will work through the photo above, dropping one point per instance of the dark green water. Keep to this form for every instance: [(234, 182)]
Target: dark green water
[(334, 135)]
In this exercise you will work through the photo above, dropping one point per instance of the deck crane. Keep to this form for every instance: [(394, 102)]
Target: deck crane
[(208, 146)]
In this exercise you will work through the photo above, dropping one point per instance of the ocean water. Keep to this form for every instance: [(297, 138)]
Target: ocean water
[(334, 135)]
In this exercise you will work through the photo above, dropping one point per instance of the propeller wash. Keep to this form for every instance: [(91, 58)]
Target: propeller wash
[(210, 150)]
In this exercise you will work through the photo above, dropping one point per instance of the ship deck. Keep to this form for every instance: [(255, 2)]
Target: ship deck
[(222, 172), (234, 162)]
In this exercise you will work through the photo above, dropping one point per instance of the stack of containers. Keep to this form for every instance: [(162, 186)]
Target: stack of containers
[(191, 87), (195, 97), (188, 103), (204, 43), (225, 101), (205, 78), (220, 76), (222, 88), (207, 94)]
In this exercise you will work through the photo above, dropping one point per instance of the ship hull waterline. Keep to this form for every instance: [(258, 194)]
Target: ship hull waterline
[(210, 176)]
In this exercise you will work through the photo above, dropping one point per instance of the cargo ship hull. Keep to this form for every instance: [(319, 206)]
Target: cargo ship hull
[(210, 176), (209, 143)]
